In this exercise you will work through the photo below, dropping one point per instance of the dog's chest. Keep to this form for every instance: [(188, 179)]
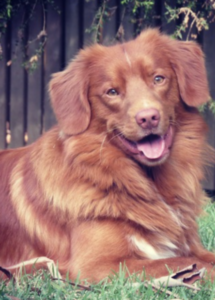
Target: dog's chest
[(160, 245), (145, 249)]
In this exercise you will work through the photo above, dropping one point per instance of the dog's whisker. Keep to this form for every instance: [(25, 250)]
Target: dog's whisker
[(103, 141), (101, 147), (116, 135)]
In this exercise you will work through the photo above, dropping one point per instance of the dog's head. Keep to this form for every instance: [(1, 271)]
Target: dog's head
[(131, 91)]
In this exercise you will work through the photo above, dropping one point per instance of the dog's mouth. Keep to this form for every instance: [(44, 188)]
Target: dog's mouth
[(152, 147)]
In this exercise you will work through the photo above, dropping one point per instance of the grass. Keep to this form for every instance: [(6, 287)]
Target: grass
[(42, 286)]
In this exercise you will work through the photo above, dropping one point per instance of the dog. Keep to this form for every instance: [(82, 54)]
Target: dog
[(118, 179)]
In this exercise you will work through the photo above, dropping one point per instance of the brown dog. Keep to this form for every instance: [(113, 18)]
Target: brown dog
[(118, 179)]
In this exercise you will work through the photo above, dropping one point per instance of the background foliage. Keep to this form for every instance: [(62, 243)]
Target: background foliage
[(192, 17)]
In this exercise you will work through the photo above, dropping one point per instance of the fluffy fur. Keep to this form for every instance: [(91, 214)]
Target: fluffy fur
[(85, 194)]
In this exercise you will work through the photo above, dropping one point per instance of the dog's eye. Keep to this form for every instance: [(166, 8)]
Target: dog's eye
[(112, 92), (159, 79)]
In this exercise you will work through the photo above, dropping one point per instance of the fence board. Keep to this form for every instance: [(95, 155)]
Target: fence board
[(110, 25), (90, 9), (52, 60), (72, 29), (35, 86), (209, 50), (2, 96), (17, 85), (128, 27)]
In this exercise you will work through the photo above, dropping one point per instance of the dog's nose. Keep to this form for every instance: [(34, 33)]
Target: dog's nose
[(148, 118)]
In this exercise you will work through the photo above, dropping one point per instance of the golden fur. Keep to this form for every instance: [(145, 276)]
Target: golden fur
[(83, 195)]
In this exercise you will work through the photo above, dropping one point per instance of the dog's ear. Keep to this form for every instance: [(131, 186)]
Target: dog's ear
[(69, 96), (188, 62)]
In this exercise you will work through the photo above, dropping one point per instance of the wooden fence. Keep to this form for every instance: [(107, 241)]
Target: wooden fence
[(25, 111)]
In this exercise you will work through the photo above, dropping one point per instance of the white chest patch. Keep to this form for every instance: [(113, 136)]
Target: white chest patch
[(150, 252)]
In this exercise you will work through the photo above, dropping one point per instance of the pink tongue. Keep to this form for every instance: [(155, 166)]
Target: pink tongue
[(153, 148)]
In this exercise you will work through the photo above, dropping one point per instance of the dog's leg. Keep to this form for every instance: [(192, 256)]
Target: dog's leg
[(98, 248), (96, 270)]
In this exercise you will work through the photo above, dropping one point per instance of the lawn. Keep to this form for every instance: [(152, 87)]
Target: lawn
[(42, 285)]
